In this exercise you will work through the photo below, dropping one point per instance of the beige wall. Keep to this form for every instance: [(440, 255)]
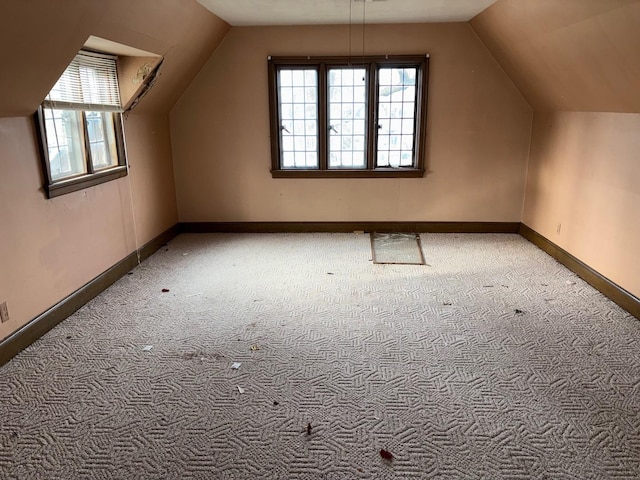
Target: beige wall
[(585, 176), (569, 58), (579, 55), (477, 145), (131, 75), (50, 248)]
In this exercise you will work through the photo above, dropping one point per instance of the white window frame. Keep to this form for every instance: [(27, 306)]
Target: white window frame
[(75, 94)]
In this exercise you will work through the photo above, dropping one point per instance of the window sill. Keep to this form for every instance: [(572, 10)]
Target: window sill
[(63, 187), (343, 173)]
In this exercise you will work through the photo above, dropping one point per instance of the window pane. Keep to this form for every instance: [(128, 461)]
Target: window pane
[(298, 95), (65, 143), (298, 113), (311, 110), (311, 127), (409, 76), (286, 95), (311, 159), (285, 78), (286, 111), (394, 158), (407, 126), (288, 160), (347, 111), (396, 117), (312, 144), (298, 78), (102, 139)]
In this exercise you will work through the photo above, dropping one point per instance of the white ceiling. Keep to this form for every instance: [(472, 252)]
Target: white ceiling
[(327, 12)]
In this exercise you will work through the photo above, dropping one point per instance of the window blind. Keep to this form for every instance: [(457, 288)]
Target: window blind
[(90, 82)]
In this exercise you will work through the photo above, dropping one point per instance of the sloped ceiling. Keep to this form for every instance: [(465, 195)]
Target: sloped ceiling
[(568, 55), (38, 39), (574, 55)]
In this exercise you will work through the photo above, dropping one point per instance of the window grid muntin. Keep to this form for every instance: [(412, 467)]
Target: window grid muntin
[(347, 116), (66, 148), (101, 139), (419, 62), (396, 118), (298, 90), (65, 126), (88, 86)]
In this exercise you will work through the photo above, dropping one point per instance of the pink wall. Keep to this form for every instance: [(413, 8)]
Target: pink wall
[(585, 176), (572, 58), (477, 146), (50, 248)]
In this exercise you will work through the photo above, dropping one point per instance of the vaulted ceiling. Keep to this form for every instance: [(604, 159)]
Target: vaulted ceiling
[(571, 55)]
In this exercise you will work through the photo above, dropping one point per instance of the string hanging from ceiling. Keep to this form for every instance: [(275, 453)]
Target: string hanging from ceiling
[(351, 24)]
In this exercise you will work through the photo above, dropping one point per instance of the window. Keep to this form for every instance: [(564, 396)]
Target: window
[(80, 126), (341, 117)]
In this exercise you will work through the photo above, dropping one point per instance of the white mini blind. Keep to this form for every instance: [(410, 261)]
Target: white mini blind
[(90, 82)]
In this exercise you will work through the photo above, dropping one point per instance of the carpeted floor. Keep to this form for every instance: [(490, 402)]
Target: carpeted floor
[(492, 361)]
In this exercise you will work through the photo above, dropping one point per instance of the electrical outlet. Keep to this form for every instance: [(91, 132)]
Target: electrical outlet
[(4, 312)]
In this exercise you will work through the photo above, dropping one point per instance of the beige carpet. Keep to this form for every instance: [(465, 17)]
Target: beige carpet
[(491, 361)]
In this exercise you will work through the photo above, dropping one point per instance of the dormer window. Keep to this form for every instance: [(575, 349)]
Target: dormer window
[(80, 125)]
